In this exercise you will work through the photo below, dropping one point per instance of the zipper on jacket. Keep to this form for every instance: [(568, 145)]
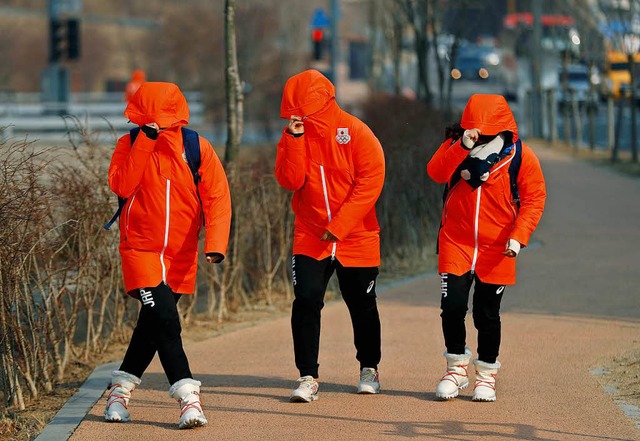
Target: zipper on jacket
[(126, 228), (166, 231), (476, 224), (326, 202)]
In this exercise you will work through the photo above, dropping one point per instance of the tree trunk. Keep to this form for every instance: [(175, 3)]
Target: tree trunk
[(233, 86), (417, 12), (439, 62), (632, 105)]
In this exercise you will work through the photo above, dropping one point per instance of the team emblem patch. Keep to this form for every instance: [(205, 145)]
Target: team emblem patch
[(343, 136)]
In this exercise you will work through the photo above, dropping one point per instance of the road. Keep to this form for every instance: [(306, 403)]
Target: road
[(575, 308)]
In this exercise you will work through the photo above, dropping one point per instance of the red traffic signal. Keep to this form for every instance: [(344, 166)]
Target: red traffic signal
[(317, 37)]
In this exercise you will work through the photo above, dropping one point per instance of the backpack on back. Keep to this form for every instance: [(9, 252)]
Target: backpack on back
[(191, 143)]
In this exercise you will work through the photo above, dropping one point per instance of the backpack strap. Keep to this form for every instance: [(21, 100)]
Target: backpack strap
[(191, 142), (116, 215), (514, 169), (121, 201)]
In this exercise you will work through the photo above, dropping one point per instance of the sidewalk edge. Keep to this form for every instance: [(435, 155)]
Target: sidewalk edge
[(65, 422)]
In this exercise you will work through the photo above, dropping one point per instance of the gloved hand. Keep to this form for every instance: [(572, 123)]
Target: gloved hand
[(151, 130), (214, 257), (470, 137)]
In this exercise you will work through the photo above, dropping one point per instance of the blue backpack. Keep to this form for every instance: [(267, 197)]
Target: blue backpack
[(192, 150)]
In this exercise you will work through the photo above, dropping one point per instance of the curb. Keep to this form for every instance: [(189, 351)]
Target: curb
[(65, 422)]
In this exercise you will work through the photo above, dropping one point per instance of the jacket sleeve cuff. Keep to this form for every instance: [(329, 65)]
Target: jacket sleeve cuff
[(337, 229), (514, 246), (144, 144)]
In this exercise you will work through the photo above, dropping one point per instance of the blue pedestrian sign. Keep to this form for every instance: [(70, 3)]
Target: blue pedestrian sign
[(320, 19)]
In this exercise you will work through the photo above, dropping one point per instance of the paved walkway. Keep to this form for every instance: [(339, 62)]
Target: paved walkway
[(577, 306)]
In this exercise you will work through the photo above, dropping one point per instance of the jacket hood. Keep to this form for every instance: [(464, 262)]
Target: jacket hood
[(305, 94), (138, 75), (162, 103), (490, 114)]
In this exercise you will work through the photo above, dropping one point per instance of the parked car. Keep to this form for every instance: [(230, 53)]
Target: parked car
[(578, 86), (475, 62)]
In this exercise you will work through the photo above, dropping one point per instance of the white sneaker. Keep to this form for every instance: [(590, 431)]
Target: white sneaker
[(456, 378), (187, 393), (122, 384), (485, 387), (305, 391), (369, 381)]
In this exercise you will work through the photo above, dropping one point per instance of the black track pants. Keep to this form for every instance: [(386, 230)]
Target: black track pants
[(357, 285), (158, 330), (486, 314)]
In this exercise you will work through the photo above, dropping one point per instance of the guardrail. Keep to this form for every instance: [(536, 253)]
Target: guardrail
[(24, 114)]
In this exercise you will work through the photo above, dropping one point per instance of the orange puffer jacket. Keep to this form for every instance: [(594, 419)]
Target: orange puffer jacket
[(162, 217), (477, 223), (337, 172)]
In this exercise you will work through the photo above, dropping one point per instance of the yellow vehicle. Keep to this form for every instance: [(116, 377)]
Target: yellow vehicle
[(617, 73)]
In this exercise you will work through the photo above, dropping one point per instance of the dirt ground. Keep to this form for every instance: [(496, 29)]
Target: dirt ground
[(621, 378)]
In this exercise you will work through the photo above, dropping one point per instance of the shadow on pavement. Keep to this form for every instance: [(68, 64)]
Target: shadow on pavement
[(137, 422), (447, 430), (213, 384)]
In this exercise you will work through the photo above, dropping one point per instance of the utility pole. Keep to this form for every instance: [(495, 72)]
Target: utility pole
[(55, 77), (632, 50), (535, 49), (64, 44), (335, 42)]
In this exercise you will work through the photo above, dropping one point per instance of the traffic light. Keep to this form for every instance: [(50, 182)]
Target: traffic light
[(57, 41), (73, 39), (64, 39), (317, 36)]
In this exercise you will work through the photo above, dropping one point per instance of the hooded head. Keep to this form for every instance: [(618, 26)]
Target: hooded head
[(490, 114), (138, 76), (305, 94), (162, 103)]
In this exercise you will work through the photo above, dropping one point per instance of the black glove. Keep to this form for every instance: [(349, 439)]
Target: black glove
[(150, 132), (216, 257)]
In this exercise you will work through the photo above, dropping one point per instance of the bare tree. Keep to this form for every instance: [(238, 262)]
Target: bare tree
[(233, 86), (418, 14)]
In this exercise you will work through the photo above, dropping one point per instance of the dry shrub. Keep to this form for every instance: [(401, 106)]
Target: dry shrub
[(256, 266), (23, 215), (410, 205)]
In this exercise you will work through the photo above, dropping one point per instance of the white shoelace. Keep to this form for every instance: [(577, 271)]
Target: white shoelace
[(368, 375)]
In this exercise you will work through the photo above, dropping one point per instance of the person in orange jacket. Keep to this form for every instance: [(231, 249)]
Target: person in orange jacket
[(159, 229), (482, 230), (335, 166), (137, 78)]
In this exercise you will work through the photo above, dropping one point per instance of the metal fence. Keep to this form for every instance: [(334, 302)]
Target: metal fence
[(23, 114)]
